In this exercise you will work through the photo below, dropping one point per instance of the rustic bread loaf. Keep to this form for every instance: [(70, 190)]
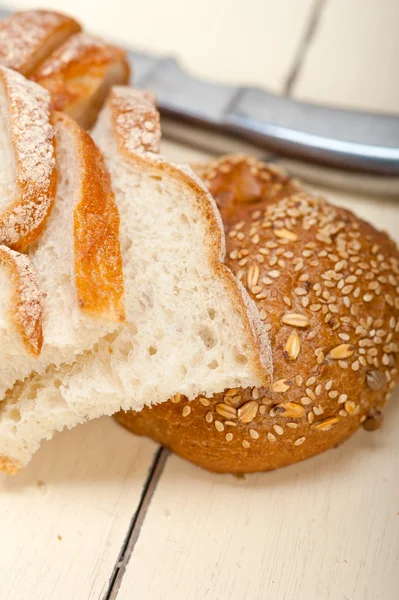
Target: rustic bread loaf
[(327, 285), (190, 326), (77, 260), (80, 74), (77, 68)]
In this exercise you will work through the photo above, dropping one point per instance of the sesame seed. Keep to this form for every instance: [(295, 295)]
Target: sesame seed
[(219, 426), (254, 434), (204, 401), (186, 411), (278, 429), (299, 441)]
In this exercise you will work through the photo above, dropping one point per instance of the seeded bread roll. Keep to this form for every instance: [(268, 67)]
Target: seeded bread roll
[(329, 285)]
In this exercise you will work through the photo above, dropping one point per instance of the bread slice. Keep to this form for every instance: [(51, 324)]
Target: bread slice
[(191, 328), (27, 154), (28, 37), (77, 262), (80, 74), (21, 300)]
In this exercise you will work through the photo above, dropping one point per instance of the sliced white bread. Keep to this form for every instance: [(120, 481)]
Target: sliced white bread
[(80, 74), (191, 328), (77, 262), (27, 155), (28, 37)]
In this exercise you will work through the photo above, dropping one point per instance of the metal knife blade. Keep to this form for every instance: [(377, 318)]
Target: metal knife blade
[(335, 137)]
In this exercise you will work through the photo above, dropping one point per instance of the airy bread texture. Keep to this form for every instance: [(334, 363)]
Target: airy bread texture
[(190, 326), (77, 262), (80, 74), (328, 284), (27, 152)]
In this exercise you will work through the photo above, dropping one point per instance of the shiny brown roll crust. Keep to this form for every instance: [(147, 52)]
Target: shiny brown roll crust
[(328, 285)]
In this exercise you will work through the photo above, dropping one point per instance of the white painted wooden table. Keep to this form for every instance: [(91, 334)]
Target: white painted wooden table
[(102, 514)]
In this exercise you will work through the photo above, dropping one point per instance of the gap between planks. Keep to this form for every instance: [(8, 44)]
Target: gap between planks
[(303, 46), (133, 533), (162, 453)]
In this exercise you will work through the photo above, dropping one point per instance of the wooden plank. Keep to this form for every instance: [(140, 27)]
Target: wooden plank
[(64, 519), (327, 528), (353, 57), (228, 41)]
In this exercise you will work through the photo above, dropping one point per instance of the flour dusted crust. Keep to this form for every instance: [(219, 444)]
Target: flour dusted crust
[(98, 259), (137, 129), (32, 140), (28, 37), (26, 301), (80, 73), (328, 284)]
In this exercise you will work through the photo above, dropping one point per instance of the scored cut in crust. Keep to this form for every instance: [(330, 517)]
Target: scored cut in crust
[(26, 300), (26, 111)]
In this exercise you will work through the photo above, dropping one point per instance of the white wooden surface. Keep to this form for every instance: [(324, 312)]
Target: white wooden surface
[(326, 529), (64, 519)]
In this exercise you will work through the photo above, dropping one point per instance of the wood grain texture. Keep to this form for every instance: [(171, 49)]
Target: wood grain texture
[(327, 528), (64, 519), (353, 58)]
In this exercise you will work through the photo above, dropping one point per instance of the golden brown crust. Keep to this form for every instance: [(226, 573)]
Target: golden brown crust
[(27, 300), (76, 75), (28, 37), (136, 124), (328, 284), (33, 142), (9, 466), (98, 258)]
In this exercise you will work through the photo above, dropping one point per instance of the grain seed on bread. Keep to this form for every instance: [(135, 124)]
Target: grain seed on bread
[(333, 312)]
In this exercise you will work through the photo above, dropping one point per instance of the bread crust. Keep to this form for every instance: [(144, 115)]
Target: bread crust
[(8, 466), (77, 73), (97, 252), (321, 276), (131, 113), (28, 37), (27, 303), (33, 142)]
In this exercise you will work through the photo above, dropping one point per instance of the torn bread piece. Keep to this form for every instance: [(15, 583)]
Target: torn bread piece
[(27, 154), (77, 262), (28, 37), (190, 326), (80, 74)]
